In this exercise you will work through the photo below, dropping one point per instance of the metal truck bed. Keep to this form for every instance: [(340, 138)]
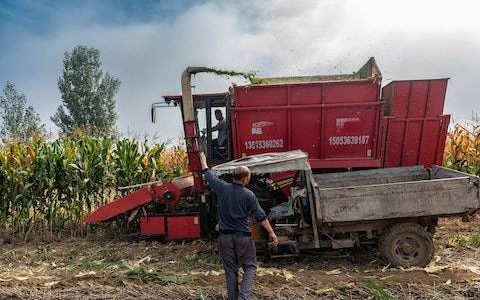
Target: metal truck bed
[(395, 193)]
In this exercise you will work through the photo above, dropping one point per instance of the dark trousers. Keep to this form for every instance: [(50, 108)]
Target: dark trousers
[(218, 153), (237, 251)]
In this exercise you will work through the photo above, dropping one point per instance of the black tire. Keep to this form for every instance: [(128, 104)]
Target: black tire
[(406, 245)]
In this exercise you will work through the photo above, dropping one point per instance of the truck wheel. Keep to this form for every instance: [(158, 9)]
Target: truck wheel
[(407, 245)]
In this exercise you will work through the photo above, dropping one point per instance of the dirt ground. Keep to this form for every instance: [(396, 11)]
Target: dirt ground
[(101, 268)]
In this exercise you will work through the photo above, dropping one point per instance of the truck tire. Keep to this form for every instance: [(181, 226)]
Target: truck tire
[(406, 245)]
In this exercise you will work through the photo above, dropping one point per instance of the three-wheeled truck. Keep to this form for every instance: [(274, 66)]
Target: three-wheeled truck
[(397, 208)]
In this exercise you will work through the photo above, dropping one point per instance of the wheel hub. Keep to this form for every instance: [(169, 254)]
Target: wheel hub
[(407, 249)]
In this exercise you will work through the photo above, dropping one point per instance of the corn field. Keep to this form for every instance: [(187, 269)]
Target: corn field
[(462, 148), (50, 186)]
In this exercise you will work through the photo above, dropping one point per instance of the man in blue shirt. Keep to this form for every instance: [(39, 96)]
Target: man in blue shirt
[(236, 247)]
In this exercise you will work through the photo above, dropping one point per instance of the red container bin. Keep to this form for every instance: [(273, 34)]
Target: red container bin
[(337, 123), (345, 123)]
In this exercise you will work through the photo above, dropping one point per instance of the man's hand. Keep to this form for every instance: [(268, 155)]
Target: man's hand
[(273, 238), (203, 160), (271, 234)]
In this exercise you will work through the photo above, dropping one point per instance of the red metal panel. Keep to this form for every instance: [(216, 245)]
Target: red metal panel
[(400, 98), (394, 144), (382, 132), (436, 97), (306, 94), (152, 225), (349, 132), (415, 98), (183, 227), (267, 95), (387, 94), (122, 205), (261, 131), (418, 98), (429, 141), (351, 92), (306, 129), (411, 142), (194, 165), (415, 141)]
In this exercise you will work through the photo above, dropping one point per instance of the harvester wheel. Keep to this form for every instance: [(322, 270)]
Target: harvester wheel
[(407, 245)]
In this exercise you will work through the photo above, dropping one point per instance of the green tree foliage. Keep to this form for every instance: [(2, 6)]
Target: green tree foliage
[(87, 94), (18, 121)]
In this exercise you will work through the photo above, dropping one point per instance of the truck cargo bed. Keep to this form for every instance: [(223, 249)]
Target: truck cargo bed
[(395, 193)]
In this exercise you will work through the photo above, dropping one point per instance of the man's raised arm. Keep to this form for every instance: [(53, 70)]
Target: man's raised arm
[(213, 181)]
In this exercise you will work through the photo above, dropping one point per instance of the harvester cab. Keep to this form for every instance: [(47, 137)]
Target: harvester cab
[(211, 112)]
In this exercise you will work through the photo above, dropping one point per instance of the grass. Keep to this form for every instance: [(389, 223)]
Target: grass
[(472, 240), (377, 291)]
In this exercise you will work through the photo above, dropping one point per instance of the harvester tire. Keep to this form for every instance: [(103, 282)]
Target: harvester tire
[(406, 245)]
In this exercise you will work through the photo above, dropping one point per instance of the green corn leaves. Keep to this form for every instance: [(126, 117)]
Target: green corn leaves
[(51, 186)]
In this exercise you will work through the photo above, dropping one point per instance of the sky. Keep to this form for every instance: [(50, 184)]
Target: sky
[(147, 44)]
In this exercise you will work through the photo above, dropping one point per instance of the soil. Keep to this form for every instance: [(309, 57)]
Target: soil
[(120, 268)]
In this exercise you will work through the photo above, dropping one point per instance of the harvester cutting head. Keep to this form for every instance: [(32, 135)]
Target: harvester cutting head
[(165, 194)]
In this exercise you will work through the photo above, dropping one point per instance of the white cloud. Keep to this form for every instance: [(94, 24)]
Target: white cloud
[(410, 39)]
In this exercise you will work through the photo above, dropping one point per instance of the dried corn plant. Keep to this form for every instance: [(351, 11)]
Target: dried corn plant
[(462, 150), (51, 186)]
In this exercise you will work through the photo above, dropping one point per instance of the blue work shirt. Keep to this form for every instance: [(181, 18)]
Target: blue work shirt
[(235, 204)]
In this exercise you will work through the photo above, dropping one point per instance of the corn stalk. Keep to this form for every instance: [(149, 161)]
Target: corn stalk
[(50, 186), (462, 149)]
